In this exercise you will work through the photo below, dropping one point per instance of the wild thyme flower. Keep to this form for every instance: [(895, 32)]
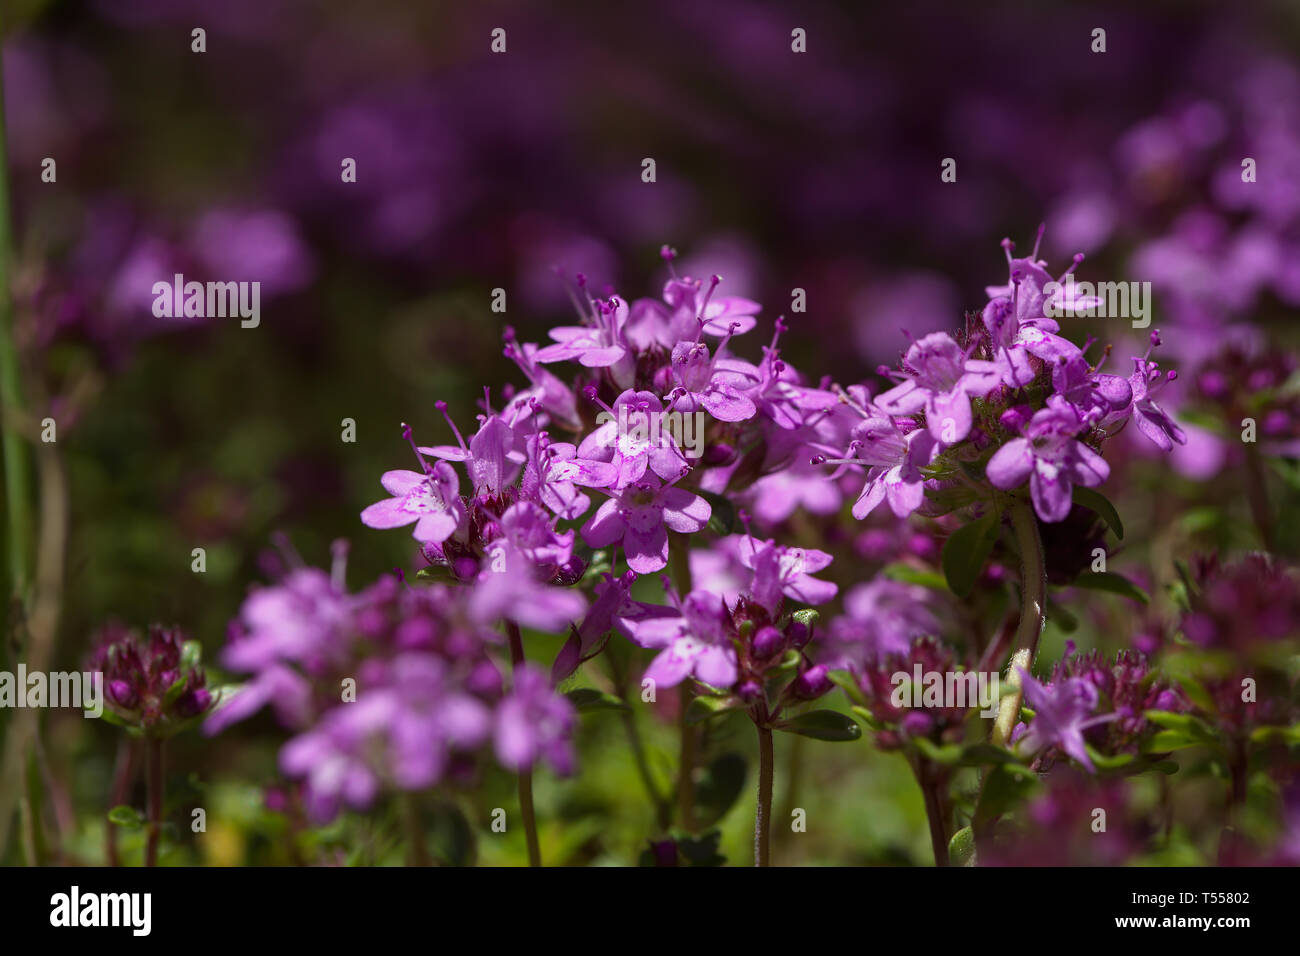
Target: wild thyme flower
[(153, 684)]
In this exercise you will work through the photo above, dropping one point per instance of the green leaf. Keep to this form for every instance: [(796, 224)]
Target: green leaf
[(949, 754), (701, 850), (722, 518), (977, 755), (899, 571), (961, 848), (865, 716), (705, 708), (845, 681), (451, 837), (177, 688), (1003, 789), (589, 698), (1272, 735), (823, 725), (438, 573), (124, 816), (1061, 616), (967, 550), (1167, 741), (721, 786), (1103, 762), (1112, 583), (1100, 505), (1187, 724)]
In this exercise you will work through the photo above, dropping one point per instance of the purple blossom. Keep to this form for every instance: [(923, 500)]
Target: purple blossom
[(632, 439), (432, 501), (939, 379), (785, 571), (689, 307), (1062, 712), (490, 458), (692, 638), (893, 460), (534, 723), (1152, 420), (1094, 395), (599, 343), (640, 516), (1051, 458), (715, 384), (508, 588), (881, 618)]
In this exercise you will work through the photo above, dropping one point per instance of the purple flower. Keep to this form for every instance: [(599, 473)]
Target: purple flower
[(1051, 458), (881, 618), (715, 384), (600, 343), (640, 516), (1152, 420), (508, 588), (692, 638), (1062, 712), (551, 394), (490, 458), (785, 571), (1094, 395), (154, 683), (893, 461), (939, 378), (432, 501), (688, 307), (534, 723), (631, 437)]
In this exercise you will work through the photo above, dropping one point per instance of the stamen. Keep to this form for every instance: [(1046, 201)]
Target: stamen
[(713, 284), (406, 433), (441, 406)]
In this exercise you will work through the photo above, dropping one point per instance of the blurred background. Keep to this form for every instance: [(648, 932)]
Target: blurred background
[(475, 171)]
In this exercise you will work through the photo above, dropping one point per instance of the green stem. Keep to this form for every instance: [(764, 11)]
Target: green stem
[(418, 853), (154, 776), (934, 812), (763, 811), (525, 776), (1033, 597), (14, 447)]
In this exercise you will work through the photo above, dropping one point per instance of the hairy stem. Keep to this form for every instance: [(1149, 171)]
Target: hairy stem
[(763, 812), (934, 811), (154, 778), (1033, 597), (525, 776)]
